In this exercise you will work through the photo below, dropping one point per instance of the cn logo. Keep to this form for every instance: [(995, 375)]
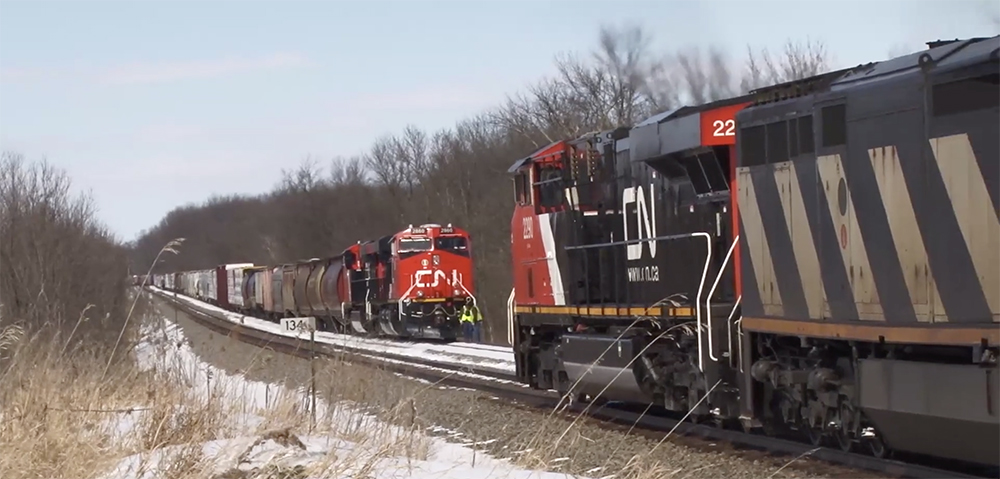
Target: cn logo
[(645, 217), (436, 276)]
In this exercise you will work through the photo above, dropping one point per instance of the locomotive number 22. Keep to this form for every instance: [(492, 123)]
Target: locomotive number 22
[(724, 128)]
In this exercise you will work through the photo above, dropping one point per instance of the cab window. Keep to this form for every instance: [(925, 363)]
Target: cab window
[(550, 188), (411, 246), (453, 244), (522, 188)]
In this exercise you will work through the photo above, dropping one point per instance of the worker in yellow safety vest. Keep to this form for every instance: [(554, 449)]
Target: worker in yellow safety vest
[(471, 318)]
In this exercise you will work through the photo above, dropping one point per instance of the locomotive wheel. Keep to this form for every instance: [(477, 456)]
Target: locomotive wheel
[(843, 434), (878, 448)]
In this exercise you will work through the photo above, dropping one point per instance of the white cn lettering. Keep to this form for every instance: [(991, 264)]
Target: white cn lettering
[(438, 275), (645, 220)]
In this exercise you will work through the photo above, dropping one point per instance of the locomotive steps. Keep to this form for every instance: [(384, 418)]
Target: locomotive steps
[(792, 459)]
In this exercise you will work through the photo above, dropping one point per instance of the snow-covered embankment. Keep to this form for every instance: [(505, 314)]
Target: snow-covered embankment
[(256, 428)]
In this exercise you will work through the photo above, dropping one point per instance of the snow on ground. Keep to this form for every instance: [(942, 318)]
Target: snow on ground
[(485, 356), (352, 444)]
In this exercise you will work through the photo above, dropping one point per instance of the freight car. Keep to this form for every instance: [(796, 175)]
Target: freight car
[(411, 284), (819, 257)]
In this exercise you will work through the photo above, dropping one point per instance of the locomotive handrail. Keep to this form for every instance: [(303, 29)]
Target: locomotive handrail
[(405, 297), (739, 338), (708, 300), (697, 303), (475, 302), (510, 318)]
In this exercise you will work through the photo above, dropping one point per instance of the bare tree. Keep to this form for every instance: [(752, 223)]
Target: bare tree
[(705, 77), (798, 60), (608, 90), (348, 171), (303, 178), (58, 264)]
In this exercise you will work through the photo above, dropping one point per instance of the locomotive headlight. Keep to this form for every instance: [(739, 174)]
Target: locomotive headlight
[(437, 260), (457, 292), (423, 262), (420, 294)]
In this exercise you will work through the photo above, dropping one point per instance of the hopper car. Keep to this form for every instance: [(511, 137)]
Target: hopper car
[(818, 258)]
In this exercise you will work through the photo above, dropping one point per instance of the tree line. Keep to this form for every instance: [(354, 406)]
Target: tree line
[(458, 175), (62, 272)]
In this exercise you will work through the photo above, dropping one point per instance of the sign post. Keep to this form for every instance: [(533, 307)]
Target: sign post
[(312, 375), (299, 325)]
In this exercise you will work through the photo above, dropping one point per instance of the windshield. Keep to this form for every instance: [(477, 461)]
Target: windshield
[(414, 244), (451, 243)]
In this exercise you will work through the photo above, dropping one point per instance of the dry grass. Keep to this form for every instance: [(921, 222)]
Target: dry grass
[(54, 408), (60, 419)]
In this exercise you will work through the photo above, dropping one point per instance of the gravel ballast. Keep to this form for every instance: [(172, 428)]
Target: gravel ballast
[(497, 426)]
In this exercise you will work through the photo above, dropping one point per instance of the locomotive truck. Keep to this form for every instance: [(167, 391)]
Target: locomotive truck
[(819, 257)]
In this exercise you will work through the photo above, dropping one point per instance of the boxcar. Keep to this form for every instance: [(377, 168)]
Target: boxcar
[(228, 279)]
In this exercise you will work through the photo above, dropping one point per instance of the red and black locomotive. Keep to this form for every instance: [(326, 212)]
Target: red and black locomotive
[(820, 256)]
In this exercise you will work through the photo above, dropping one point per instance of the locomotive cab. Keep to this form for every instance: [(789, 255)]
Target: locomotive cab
[(623, 241)]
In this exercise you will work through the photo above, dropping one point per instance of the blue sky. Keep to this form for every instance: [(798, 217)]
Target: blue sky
[(153, 104)]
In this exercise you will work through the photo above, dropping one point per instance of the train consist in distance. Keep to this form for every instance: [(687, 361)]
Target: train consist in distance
[(820, 257), (409, 285)]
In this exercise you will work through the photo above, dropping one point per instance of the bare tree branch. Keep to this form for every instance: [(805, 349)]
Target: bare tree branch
[(798, 60)]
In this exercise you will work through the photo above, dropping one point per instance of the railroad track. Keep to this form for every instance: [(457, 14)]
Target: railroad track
[(504, 385)]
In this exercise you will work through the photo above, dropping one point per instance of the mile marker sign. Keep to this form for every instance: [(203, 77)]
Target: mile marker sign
[(296, 325)]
